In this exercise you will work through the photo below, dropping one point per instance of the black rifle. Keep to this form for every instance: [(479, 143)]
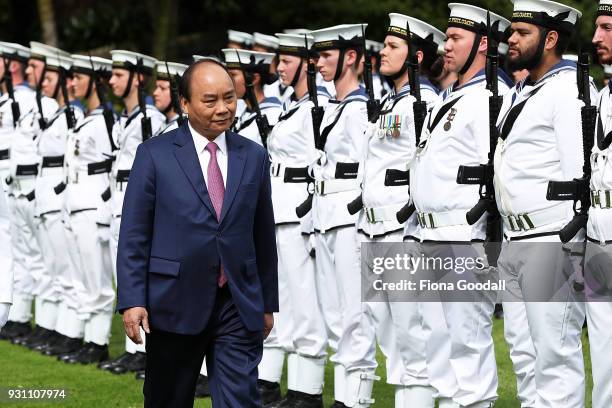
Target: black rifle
[(174, 96), (483, 174), (109, 116), (8, 80), (317, 117), (419, 110), (69, 112), (578, 189), (373, 104), (42, 121), (145, 122), (263, 126)]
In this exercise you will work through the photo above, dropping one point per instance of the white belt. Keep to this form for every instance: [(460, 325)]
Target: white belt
[(529, 221), (442, 219), (601, 198), (325, 187), (380, 214)]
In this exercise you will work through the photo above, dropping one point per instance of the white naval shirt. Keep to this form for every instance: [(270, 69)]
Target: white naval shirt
[(200, 143), (6, 270)]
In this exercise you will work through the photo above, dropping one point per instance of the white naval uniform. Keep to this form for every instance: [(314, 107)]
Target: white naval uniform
[(384, 190), (337, 261), (127, 134), (460, 355), (6, 260), (28, 265), (7, 128), (544, 144), (87, 304), (48, 206), (247, 126), (278, 90), (299, 328), (598, 256)]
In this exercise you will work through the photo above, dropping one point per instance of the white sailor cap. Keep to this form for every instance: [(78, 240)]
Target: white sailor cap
[(374, 46), (89, 65), (251, 61), (294, 44), (604, 8), (608, 70), (14, 51), (300, 31), (167, 70), (133, 61), (468, 17), (339, 37), (57, 62), (42, 51), (240, 37), (546, 13), (197, 58), (418, 28), (267, 41)]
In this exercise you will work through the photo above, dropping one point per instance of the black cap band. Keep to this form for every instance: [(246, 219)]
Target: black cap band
[(467, 24), (604, 10), (339, 44), (542, 19)]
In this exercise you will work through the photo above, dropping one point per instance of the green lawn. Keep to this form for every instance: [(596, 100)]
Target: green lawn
[(89, 387)]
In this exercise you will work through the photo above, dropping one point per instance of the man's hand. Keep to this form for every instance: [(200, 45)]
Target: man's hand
[(4, 312), (133, 318), (268, 324)]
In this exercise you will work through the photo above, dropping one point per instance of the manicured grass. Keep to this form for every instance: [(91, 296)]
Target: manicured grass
[(89, 387)]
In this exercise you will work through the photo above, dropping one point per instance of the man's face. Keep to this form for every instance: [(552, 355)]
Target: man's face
[(602, 39), (49, 83), (287, 67), (458, 45), (34, 71), (239, 82), (327, 63), (162, 95), (394, 54), (523, 43), (1, 67), (119, 81), (79, 86), (212, 106)]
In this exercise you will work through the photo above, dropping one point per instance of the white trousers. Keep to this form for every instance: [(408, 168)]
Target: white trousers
[(598, 276), (94, 289), (552, 327), (460, 350), (339, 288), (28, 266)]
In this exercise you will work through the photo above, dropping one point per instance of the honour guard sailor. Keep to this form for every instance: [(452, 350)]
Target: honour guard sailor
[(456, 133), (250, 70), (166, 94), (598, 257), (540, 141), (130, 73), (299, 329), (15, 96), (384, 179), (269, 43), (339, 150), (29, 267)]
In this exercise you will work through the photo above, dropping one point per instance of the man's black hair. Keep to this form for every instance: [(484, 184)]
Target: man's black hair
[(185, 86)]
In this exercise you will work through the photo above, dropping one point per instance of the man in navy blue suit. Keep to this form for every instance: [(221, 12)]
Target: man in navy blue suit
[(196, 265)]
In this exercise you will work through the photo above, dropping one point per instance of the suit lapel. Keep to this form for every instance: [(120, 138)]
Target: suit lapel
[(235, 167), (188, 160)]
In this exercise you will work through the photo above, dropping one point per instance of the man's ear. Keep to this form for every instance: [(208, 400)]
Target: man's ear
[(184, 105), (484, 44), (552, 37), (350, 57)]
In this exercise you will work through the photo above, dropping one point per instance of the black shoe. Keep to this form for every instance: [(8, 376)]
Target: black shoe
[(296, 399), (202, 389), (15, 330), (43, 338), (121, 360), (89, 354), (270, 392), (4, 332), (72, 354), (62, 346), (338, 404), (55, 339), (140, 375), (32, 336), (136, 363)]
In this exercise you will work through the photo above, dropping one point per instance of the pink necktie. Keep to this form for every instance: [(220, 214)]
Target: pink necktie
[(216, 191)]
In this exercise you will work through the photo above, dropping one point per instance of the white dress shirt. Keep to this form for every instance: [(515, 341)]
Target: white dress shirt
[(200, 143)]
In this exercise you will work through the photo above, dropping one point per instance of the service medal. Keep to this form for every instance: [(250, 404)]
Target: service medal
[(447, 126)]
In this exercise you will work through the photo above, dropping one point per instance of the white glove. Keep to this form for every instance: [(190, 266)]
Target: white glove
[(4, 313)]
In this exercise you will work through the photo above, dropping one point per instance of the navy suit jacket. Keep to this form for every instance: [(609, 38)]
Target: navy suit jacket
[(171, 244)]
